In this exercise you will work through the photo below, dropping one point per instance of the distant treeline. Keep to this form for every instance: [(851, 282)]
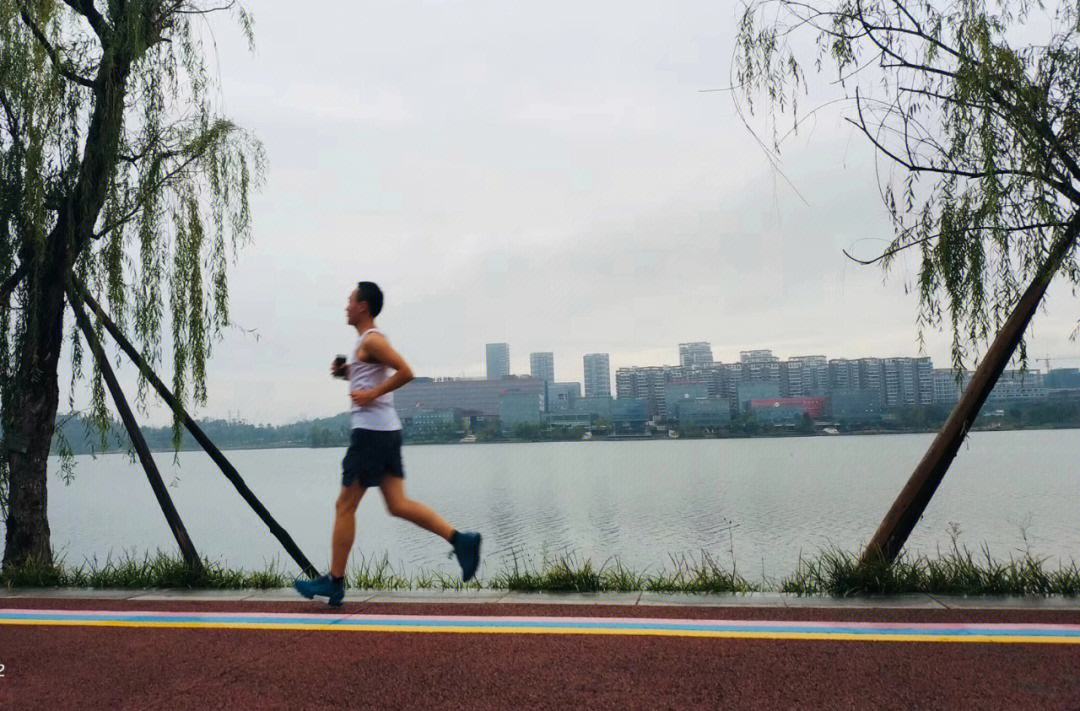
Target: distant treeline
[(1017, 414), (83, 437)]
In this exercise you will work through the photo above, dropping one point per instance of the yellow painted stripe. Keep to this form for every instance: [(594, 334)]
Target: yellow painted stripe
[(554, 630)]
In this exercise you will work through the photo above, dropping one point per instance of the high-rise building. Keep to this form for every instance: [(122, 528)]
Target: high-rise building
[(844, 374), (729, 376), (645, 383), (811, 376), (924, 380), (498, 360), (698, 353), (758, 356), (650, 383), (711, 375), (1011, 385), (1019, 385), (792, 376), (759, 365), (542, 366), (899, 381), (871, 376), (908, 381), (947, 386), (597, 375)]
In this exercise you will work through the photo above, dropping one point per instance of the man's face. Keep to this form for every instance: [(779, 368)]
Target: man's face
[(355, 308)]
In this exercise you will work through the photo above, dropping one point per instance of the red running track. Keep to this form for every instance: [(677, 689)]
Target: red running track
[(81, 667)]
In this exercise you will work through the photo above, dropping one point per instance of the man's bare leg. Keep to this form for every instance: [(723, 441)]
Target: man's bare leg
[(344, 528), (398, 504)]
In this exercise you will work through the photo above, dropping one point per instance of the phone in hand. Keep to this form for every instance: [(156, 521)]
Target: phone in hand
[(339, 366)]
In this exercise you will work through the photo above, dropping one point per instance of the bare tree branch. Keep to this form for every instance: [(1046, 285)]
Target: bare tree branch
[(134, 212), (1006, 116), (13, 120), (135, 158), (61, 66), (904, 64), (1023, 109), (923, 35), (1039, 124), (10, 283), (810, 18), (204, 11), (900, 59), (808, 115), (922, 240), (902, 8), (1063, 187), (177, 7), (951, 100), (925, 137), (86, 9)]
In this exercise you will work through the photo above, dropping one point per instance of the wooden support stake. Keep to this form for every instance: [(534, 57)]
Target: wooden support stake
[(208, 446), (187, 548), (910, 504)]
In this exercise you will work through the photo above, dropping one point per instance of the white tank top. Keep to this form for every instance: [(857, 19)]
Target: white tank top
[(379, 414)]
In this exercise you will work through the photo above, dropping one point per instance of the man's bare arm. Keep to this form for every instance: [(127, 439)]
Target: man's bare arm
[(380, 350)]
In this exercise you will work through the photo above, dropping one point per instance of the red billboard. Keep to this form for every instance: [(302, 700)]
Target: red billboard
[(813, 406)]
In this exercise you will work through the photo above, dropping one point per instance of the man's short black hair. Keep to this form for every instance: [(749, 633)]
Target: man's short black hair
[(370, 292)]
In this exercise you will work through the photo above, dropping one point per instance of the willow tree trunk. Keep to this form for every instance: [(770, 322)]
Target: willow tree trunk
[(30, 425), (910, 504), (31, 419)]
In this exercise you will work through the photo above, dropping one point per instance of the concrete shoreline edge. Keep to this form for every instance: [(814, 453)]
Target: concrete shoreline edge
[(911, 601)]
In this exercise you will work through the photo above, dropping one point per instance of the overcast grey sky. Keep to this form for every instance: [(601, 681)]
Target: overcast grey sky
[(546, 174)]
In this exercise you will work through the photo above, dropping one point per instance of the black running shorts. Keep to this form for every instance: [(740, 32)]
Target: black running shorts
[(372, 454)]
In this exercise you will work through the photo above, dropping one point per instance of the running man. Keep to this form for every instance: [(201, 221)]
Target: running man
[(374, 454)]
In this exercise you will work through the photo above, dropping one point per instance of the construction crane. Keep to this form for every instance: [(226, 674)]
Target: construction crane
[(1047, 358)]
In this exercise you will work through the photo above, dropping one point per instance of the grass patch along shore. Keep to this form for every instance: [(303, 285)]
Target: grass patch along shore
[(958, 571), (151, 571), (702, 574)]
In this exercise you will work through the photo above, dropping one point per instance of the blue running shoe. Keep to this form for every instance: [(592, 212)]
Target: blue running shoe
[(323, 587), (467, 550)]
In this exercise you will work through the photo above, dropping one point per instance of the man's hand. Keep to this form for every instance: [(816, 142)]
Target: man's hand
[(338, 370), (361, 398)]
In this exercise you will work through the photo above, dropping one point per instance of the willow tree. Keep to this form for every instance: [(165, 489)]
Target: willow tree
[(117, 168), (974, 107)]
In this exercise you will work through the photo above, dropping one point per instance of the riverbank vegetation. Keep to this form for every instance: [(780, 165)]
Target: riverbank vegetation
[(958, 571)]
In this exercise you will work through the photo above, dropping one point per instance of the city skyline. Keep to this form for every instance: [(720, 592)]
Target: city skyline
[(566, 363), (760, 360), (770, 391), (664, 358)]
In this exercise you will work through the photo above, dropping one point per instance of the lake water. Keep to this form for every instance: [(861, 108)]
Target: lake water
[(765, 500)]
